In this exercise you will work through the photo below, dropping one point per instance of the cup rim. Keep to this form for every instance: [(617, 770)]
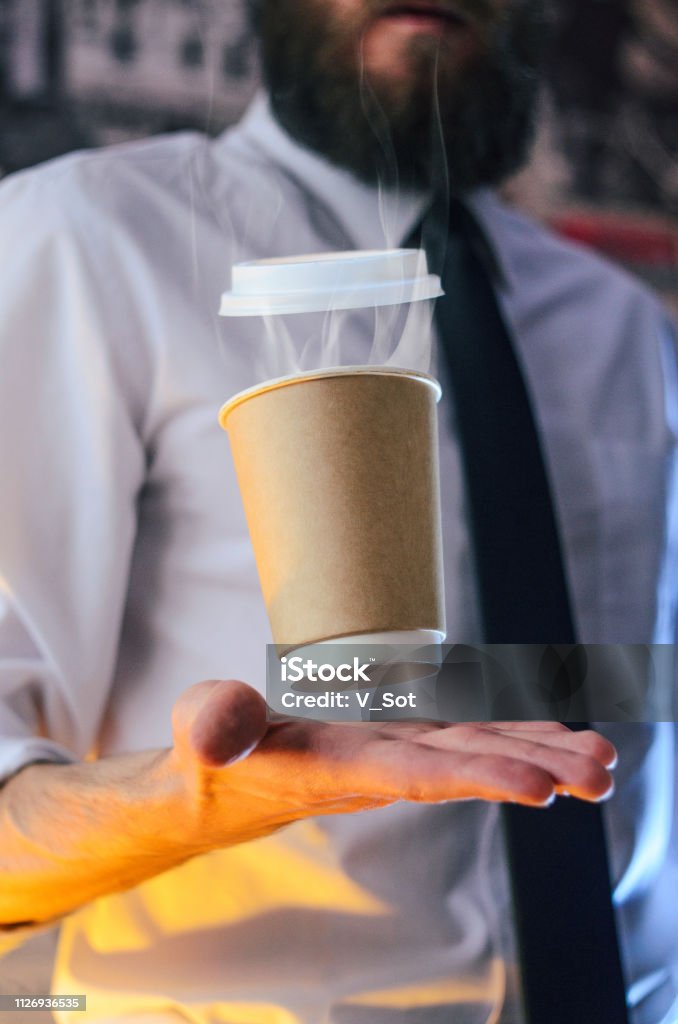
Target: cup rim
[(333, 371)]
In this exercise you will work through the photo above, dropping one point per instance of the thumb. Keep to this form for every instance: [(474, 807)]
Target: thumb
[(218, 722)]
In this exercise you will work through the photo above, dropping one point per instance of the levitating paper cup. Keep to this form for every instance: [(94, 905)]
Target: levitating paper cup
[(338, 468), (338, 472)]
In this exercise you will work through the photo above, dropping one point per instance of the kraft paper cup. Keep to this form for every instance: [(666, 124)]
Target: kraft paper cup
[(338, 472)]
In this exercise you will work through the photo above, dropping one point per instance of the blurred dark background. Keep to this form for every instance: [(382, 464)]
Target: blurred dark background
[(88, 72), (79, 73), (615, 82)]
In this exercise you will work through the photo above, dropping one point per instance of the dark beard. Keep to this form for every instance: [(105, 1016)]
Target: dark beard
[(454, 128)]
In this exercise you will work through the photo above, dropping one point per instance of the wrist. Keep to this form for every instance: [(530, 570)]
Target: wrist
[(180, 817)]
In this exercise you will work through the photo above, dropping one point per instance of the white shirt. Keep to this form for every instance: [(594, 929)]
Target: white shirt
[(127, 575)]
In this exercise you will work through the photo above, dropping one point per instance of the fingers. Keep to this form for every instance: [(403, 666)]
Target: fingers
[(529, 726), (588, 742), (218, 722), (425, 763), (422, 773), (552, 734), (573, 761)]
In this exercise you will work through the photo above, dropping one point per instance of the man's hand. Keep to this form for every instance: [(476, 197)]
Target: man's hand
[(70, 833), (244, 777)]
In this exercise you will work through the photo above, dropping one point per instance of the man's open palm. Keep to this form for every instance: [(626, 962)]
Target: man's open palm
[(246, 776)]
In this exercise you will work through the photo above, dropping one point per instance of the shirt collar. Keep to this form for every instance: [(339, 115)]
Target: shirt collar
[(371, 217)]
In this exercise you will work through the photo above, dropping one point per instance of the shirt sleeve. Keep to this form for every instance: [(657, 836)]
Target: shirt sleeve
[(71, 465)]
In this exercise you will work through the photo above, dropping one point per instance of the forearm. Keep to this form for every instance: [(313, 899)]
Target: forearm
[(70, 833)]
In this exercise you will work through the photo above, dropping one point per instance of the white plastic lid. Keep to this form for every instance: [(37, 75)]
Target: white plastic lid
[(327, 281)]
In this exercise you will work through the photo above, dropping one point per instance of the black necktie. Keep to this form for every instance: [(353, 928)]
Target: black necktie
[(570, 963)]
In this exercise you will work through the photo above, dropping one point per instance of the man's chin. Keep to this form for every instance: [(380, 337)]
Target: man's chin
[(417, 77)]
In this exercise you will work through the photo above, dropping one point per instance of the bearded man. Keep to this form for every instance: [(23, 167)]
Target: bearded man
[(206, 864)]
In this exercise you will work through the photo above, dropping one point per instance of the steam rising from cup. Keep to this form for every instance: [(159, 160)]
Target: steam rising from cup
[(319, 297)]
